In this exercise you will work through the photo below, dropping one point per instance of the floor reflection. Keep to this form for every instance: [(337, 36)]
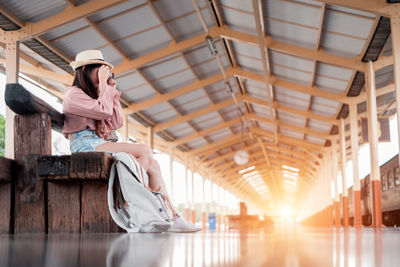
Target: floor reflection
[(282, 246)]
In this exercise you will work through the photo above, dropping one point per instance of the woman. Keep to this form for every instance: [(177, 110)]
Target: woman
[(92, 110)]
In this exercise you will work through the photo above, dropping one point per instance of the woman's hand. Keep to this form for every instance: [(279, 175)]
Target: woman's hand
[(104, 72)]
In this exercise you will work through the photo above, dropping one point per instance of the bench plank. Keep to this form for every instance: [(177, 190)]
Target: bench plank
[(6, 167), (5, 209), (22, 102)]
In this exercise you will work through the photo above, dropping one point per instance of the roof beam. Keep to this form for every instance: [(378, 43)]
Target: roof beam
[(318, 55), (69, 14), (134, 107), (373, 6), (311, 90)]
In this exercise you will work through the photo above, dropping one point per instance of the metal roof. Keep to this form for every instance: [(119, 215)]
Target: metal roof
[(171, 81)]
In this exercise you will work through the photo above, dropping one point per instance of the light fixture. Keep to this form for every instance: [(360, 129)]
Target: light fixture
[(211, 46)]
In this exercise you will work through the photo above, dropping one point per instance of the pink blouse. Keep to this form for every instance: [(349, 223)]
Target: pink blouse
[(81, 111)]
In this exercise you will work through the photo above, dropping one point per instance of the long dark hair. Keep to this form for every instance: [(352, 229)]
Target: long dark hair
[(83, 80)]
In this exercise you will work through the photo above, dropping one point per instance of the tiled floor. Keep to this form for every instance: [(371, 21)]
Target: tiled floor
[(281, 246)]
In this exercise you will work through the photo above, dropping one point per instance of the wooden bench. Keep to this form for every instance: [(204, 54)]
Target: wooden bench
[(44, 193)]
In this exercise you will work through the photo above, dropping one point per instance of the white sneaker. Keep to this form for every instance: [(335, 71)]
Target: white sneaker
[(180, 225)]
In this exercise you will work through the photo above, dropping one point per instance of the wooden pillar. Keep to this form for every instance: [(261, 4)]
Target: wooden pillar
[(12, 70), (203, 205), (192, 202), (150, 137), (187, 194), (373, 142), (345, 198), (395, 31), (171, 173), (354, 155), (335, 182)]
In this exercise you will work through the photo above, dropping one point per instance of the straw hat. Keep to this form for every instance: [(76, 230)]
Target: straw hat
[(88, 57)]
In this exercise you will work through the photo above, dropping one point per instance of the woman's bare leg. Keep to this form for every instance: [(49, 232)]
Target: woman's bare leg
[(144, 156)]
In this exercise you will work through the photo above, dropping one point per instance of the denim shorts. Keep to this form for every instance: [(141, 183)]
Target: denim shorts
[(85, 140)]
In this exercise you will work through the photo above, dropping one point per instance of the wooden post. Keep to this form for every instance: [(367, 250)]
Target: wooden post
[(203, 205), (186, 193), (32, 138), (12, 69), (335, 172), (373, 142), (124, 129), (395, 31), (150, 137), (345, 198), (192, 202), (171, 173), (354, 156)]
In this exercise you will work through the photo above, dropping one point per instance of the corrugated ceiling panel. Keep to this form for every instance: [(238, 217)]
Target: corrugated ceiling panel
[(293, 12), (196, 143), (111, 55), (262, 111), (245, 5), (267, 127), (295, 75), (190, 25), (207, 69), (191, 102), (319, 126), (239, 21), (292, 34), (198, 54), (130, 80), (237, 128), (77, 42), (315, 140), (206, 121), (169, 9), (164, 68), (291, 98), (230, 113), (291, 61), (181, 130), (384, 76), (129, 23), (257, 92), (290, 133), (160, 113), (246, 49), (253, 83), (323, 106), (291, 118), (139, 93), (64, 29), (348, 24), (34, 10), (250, 64), (218, 92), (333, 44), (175, 81), (145, 43), (115, 10), (330, 70), (218, 135)]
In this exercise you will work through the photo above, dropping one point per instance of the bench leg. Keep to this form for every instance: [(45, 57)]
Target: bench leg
[(5, 209)]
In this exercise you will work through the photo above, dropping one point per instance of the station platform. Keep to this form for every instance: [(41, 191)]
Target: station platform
[(280, 246)]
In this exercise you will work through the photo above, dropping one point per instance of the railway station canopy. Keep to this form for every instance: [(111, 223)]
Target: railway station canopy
[(249, 93)]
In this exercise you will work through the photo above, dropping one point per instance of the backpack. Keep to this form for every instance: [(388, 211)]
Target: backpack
[(135, 207)]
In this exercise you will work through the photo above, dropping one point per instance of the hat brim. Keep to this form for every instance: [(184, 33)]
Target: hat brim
[(77, 64)]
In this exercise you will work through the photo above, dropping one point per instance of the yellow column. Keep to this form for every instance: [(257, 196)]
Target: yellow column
[(12, 69), (192, 203), (373, 143), (335, 182)]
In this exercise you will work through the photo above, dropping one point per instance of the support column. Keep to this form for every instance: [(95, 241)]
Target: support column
[(192, 203), (395, 31), (354, 156), (12, 70), (335, 172), (150, 137), (345, 198), (203, 205), (373, 143), (171, 173), (187, 195)]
